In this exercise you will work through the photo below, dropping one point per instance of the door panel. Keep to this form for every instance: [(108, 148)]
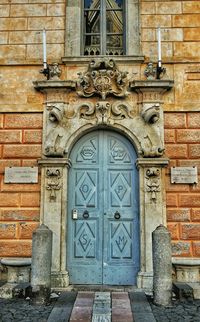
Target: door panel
[(103, 241)]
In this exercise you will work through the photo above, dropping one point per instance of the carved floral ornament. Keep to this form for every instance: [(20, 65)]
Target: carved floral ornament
[(102, 78), (53, 184), (153, 183)]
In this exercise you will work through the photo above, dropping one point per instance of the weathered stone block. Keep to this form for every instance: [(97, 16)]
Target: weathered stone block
[(188, 136), (172, 34), (9, 200), (17, 151), (12, 248), (55, 51), (181, 248), (46, 22), (148, 34), (191, 34), (13, 24), (7, 231), (56, 9), (196, 248), (182, 214), (190, 231), (170, 136), (171, 200), (194, 120), (187, 49), (194, 150), (30, 199), (26, 230), (32, 136), (3, 38), (148, 8), (151, 51), (160, 21), (175, 120), (20, 120), (10, 51), (8, 163), (174, 230), (187, 20), (4, 10), (14, 136), (191, 7), (28, 10), (19, 215), (195, 215), (191, 200), (176, 151), (173, 7)]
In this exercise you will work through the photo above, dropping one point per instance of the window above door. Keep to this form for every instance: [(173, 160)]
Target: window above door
[(102, 27)]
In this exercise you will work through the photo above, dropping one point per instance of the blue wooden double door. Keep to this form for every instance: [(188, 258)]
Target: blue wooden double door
[(103, 225)]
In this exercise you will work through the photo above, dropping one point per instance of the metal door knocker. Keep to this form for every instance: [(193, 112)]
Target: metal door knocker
[(85, 214), (117, 215)]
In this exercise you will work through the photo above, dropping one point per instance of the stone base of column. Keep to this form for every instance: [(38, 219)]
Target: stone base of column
[(59, 279), (145, 280)]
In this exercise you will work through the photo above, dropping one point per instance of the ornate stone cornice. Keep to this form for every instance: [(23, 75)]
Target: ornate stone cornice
[(46, 85), (152, 162), (157, 85)]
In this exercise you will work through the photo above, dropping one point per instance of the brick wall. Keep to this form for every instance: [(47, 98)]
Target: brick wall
[(180, 23), (21, 22), (20, 145), (182, 136)]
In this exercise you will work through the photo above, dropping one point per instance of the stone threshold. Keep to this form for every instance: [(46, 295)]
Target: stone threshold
[(90, 306)]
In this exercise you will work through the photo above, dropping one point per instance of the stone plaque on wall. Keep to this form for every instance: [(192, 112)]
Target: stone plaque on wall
[(186, 175), (21, 175)]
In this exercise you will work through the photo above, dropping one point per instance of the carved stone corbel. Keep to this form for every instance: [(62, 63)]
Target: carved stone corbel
[(53, 176), (153, 183)]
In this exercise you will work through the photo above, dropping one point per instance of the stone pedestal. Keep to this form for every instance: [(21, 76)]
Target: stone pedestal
[(18, 269), (162, 266), (41, 264)]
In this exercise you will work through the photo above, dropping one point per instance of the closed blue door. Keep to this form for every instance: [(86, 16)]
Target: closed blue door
[(103, 226)]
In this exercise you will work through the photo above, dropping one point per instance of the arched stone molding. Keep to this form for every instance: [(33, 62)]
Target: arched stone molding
[(68, 115)]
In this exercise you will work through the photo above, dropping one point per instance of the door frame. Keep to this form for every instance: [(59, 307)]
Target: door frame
[(152, 212)]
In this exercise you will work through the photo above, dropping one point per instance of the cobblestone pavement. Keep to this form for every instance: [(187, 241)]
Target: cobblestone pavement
[(181, 311), (20, 310)]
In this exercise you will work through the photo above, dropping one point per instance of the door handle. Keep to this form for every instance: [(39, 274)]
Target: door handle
[(85, 214), (117, 215)]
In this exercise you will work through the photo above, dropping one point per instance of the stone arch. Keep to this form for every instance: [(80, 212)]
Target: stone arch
[(116, 128)]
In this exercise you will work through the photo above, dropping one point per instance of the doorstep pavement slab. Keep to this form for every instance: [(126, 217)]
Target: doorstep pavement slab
[(102, 307)]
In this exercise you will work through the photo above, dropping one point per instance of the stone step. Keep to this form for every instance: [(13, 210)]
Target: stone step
[(13, 290), (90, 306), (182, 290), (187, 290)]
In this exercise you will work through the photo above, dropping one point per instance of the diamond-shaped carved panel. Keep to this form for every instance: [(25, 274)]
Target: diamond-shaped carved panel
[(86, 188), (120, 189), (121, 240), (84, 239)]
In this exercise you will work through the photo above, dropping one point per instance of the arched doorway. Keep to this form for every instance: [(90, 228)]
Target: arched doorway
[(103, 224)]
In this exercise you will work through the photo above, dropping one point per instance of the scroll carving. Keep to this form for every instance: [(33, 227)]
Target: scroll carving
[(104, 112), (151, 113), (153, 183), (53, 182), (102, 78)]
